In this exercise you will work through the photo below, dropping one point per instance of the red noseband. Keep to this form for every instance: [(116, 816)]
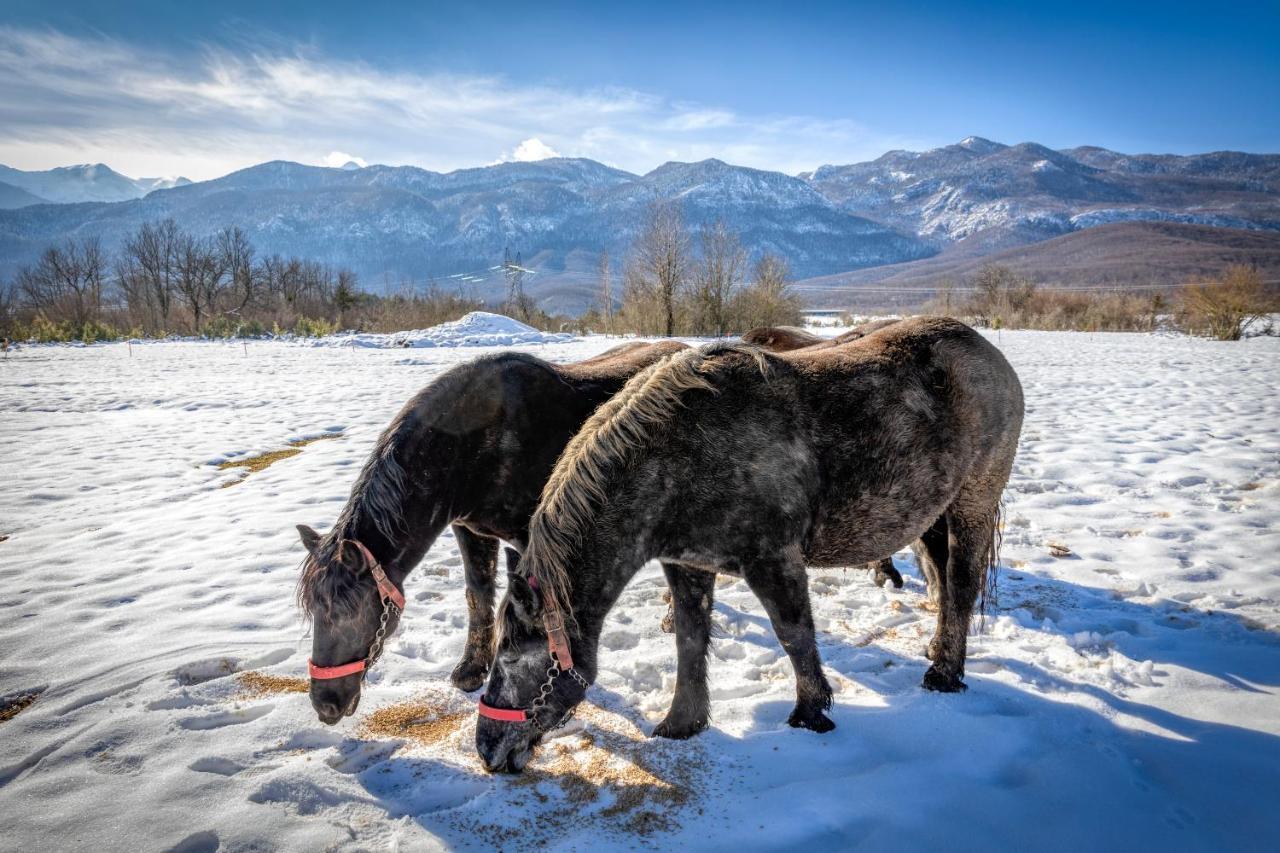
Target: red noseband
[(320, 673), (391, 597), (503, 715)]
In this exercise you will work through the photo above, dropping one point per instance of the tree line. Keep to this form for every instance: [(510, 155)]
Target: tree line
[(163, 280)]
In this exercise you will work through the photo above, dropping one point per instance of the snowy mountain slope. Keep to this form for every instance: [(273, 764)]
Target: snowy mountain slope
[(89, 182), (12, 197), (1122, 697), (1031, 192), (403, 222)]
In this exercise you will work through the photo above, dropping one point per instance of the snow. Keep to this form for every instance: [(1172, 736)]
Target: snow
[(1123, 696), (477, 329)]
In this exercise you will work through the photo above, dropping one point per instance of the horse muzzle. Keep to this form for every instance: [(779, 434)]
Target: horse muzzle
[(331, 707)]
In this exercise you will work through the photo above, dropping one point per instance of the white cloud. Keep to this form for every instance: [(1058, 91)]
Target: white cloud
[(66, 99), (533, 149), (338, 159)]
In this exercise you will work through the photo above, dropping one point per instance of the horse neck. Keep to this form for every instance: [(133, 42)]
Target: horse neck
[(606, 566), (399, 544)]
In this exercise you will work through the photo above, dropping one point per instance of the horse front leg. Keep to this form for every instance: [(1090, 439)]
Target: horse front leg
[(479, 566), (783, 589), (692, 596)]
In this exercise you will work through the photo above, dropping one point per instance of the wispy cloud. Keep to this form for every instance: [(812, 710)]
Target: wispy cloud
[(67, 99)]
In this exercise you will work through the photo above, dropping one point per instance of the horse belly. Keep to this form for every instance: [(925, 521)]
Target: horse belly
[(870, 528)]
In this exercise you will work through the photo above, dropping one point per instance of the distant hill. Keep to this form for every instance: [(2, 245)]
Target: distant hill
[(96, 182), (1121, 254), (930, 211), (13, 197)]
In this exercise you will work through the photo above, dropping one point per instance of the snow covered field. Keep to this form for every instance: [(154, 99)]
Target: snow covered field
[(1125, 696)]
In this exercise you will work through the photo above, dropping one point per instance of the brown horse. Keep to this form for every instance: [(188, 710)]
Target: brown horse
[(728, 459)]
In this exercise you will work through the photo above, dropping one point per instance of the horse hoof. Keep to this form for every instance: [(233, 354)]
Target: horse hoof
[(467, 677), (892, 575), (678, 731), (814, 722), (936, 679)]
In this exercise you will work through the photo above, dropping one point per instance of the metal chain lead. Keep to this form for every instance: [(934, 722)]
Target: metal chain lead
[(540, 702), (376, 648)]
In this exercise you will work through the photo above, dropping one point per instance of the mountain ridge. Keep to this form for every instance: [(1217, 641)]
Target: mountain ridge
[(394, 223)]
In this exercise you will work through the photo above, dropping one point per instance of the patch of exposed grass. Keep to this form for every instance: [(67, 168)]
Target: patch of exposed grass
[(12, 706), (263, 461), (255, 684)]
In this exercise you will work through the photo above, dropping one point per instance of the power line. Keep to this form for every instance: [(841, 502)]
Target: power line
[(1114, 288)]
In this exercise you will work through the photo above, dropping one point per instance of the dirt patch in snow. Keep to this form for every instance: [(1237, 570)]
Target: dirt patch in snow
[(255, 684), (12, 706), (263, 461)]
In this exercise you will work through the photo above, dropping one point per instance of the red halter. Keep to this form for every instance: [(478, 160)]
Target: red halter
[(557, 646), (391, 597)]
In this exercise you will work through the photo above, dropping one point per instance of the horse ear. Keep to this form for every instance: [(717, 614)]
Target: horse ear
[(351, 557), (528, 603), (310, 539)]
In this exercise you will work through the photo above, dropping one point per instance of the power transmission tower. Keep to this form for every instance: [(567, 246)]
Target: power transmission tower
[(515, 284)]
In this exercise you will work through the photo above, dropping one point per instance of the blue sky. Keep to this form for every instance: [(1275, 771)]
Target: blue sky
[(202, 89)]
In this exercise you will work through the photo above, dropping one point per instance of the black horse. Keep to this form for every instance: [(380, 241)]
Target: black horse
[(731, 460), (472, 450)]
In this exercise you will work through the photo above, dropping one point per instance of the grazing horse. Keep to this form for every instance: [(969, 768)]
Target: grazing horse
[(472, 450), (728, 459)]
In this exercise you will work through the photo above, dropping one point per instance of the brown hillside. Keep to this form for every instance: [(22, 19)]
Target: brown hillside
[(1121, 255)]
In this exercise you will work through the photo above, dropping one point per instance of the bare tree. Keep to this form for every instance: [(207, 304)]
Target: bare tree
[(1000, 294), (237, 257), (66, 283), (718, 273), (606, 292), (148, 271), (202, 274), (1224, 308), (767, 300), (661, 260)]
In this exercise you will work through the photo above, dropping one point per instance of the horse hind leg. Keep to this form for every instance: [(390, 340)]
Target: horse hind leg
[(692, 596), (480, 566), (783, 589), (970, 524), (931, 551), (883, 572)]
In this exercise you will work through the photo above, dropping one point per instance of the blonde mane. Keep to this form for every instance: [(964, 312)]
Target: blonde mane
[(622, 425)]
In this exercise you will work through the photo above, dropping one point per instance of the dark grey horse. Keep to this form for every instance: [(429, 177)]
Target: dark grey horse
[(472, 450), (732, 460)]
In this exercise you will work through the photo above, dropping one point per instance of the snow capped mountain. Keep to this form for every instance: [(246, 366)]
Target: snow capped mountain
[(86, 182), (401, 222), (1016, 194), (394, 223)]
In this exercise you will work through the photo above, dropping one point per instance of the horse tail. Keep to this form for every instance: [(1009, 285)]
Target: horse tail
[(991, 566)]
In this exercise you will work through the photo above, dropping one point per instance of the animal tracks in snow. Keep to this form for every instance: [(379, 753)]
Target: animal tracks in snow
[(1122, 683)]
